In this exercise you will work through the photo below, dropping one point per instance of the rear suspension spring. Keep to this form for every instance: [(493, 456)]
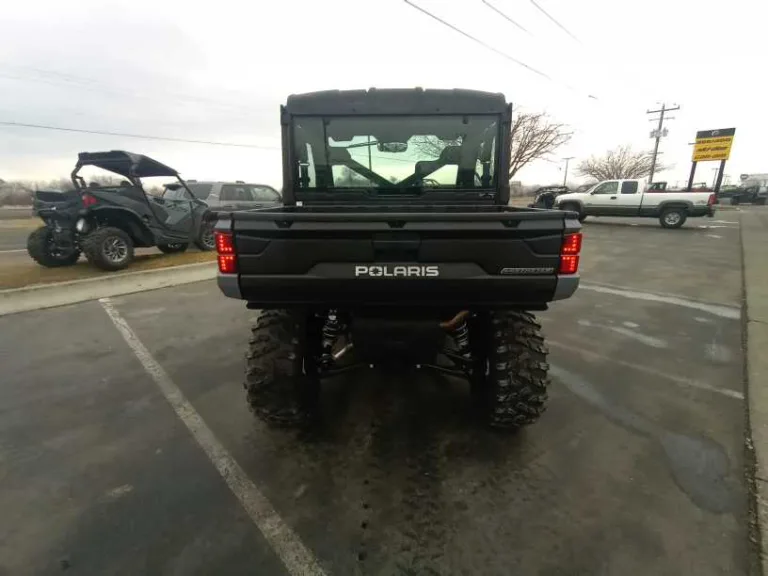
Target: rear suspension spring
[(461, 337), (332, 329)]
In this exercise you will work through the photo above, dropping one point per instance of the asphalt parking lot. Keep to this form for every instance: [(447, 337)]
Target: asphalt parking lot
[(635, 469)]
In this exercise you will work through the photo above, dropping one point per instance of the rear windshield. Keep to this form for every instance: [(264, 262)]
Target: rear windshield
[(392, 153)]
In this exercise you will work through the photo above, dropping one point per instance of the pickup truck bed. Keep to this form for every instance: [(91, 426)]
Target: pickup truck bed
[(426, 256)]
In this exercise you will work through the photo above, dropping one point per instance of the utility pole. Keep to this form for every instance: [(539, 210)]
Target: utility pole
[(658, 133), (565, 176)]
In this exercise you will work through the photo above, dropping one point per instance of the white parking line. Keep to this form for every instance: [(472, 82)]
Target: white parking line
[(720, 310), (13, 251), (650, 371), (296, 557)]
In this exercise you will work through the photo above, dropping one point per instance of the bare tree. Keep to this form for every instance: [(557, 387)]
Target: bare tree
[(432, 146), (621, 162), (534, 136)]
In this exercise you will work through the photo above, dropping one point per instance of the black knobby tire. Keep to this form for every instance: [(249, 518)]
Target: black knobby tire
[(41, 249), (511, 380), (205, 240), (281, 379), (673, 217), (172, 248), (108, 248)]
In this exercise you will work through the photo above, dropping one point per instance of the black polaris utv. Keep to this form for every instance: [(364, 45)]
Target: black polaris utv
[(385, 268), (106, 223)]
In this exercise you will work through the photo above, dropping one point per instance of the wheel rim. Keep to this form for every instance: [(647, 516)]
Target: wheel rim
[(209, 241), (58, 254), (54, 251), (672, 218), (115, 249)]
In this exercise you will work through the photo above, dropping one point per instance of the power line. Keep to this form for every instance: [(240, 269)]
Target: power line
[(563, 28), (507, 18), (488, 46), (92, 85), (140, 136)]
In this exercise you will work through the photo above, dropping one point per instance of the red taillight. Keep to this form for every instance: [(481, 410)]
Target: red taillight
[(89, 200), (711, 200), (569, 264), (571, 244), (226, 249), (227, 264), (569, 253), (224, 243)]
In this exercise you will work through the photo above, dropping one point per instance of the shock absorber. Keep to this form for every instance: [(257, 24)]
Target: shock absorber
[(461, 336), (331, 331)]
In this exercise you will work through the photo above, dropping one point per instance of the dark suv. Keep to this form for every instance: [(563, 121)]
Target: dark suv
[(232, 195)]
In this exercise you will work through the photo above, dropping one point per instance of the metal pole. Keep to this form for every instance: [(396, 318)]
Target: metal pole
[(658, 136), (656, 145), (693, 173), (369, 154), (565, 176), (720, 177)]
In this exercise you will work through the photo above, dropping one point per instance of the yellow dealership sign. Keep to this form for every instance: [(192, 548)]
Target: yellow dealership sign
[(713, 144)]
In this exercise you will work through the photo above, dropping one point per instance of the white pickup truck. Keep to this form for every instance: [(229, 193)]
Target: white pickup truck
[(629, 198)]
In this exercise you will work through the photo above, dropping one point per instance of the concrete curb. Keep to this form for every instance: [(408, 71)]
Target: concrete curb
[(754, 239), (43, 296)]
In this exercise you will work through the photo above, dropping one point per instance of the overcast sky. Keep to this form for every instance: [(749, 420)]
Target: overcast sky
[(218, 71)]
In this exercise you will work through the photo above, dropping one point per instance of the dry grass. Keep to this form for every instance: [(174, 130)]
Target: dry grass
[(20, 274), (20, 223), (520, 201)]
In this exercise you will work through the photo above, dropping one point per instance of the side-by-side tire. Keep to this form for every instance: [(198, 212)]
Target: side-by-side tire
[(205, 240), (673, 217), (108, 248), (510, 378), (172, 248), (281, 380), (42, 250)]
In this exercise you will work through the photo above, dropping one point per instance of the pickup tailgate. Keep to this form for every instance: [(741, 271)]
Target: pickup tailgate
[(346, 256)]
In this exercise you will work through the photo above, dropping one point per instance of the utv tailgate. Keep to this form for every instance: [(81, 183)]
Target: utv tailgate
[(352, 256), (48, 203)]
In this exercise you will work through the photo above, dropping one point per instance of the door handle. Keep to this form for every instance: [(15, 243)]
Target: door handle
[(613, 197)]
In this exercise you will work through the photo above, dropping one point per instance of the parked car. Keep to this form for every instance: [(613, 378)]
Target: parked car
[(223, 196), (754, 194), (106, 223), (629, 198), (752, 190)]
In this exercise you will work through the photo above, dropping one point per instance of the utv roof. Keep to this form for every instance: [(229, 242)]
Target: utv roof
[(396, 101), (125, 163)]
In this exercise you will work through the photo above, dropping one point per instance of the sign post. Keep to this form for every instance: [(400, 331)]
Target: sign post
[(712, 145)]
